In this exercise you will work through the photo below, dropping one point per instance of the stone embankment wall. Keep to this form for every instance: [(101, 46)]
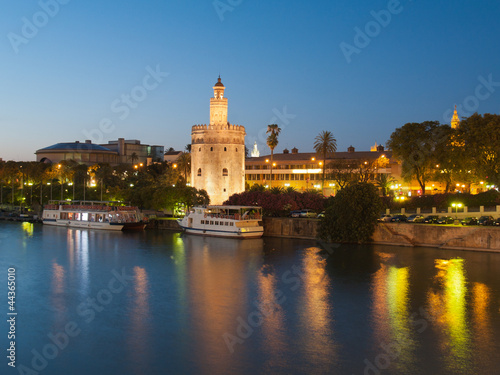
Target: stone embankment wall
[(445, 237)]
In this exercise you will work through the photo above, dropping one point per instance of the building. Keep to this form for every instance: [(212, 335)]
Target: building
[(304, 170), (86, 153), (218, 152), (455, 121), (132, 151), (172, 156)]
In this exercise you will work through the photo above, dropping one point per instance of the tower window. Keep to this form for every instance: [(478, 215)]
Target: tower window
[(225, 149), (199, 171), (199, 150), (211, 148), (224, 172), (236, 149)]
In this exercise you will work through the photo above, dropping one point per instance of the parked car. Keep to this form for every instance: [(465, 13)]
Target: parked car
[(399, 219), (295, 213), (321, 215), (431, 219), (308, 213), (486, 220), (385, 218), (497, 222), (415, 218), (469, 221), (445, 220)]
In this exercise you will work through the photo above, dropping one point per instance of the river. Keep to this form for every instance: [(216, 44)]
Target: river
[(160, 302)]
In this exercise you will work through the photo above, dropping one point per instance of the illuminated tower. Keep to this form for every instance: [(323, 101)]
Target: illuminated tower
[(455, 121), (218, 152)]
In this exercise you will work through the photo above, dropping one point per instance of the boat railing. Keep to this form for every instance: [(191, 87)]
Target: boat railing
[(235, 216)]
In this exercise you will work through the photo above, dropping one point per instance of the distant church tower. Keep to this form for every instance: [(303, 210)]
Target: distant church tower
[(455, 121), (218, 152)]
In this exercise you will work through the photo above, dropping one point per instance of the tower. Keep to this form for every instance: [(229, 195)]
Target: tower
[(218, 152), (455, 121)]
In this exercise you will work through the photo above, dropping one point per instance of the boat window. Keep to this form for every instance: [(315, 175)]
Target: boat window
[(232, 224), (203, 222), (227, 223), (211, 223)]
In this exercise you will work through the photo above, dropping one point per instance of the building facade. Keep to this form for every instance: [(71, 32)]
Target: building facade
[(218, 152), (85, 153), (132, 151)]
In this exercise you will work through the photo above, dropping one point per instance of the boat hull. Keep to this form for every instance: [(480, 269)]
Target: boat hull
[(84, 225), (224, 234)]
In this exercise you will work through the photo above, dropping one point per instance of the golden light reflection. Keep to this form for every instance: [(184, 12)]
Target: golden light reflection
[(57, 295), (269, 304), (448, 308), (317, 312), (482, 325), (391, 311), (27, 228)]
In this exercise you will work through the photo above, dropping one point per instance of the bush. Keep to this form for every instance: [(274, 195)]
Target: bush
[(352, 216)]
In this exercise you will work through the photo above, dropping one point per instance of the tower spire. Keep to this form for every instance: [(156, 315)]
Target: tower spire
[(455, 121)]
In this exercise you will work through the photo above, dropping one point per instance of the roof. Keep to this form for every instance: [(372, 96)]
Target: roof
[(306, 156), (173, 152), (219, 83), (76, 146)]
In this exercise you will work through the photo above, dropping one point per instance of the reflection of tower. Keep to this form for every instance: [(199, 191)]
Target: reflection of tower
[(455, 121), (218, 152)]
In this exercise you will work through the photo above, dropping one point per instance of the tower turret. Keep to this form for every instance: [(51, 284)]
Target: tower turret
[(455, 121), (218, 105)]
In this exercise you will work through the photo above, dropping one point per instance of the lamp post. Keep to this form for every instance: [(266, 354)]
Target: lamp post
[(456, 206)]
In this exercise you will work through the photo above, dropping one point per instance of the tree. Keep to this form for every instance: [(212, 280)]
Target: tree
[(383, 181), (184, 164), (415, 144), (480, 138), (342, 171), (325, 145), (272, 141), (352, 216), (188, 148), (134, 157)]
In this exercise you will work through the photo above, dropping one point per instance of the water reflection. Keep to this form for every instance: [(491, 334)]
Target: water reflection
[(78, 249), (218, 290), (391, 312), (316, 313), (57, 296), (139, 318), (447, 303), (483, 338)]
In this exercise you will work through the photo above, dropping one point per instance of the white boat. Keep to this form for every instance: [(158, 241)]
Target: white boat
[(92, 215), (224, 221)]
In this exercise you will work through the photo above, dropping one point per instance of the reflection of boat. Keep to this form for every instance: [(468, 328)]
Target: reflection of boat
[(93, 215), (224, 221)]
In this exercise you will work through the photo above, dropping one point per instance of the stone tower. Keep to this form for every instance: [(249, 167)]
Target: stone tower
[(218, 152), (455, 121)]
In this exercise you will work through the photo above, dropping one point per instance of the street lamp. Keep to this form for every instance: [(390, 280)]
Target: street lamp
[(456, 206)]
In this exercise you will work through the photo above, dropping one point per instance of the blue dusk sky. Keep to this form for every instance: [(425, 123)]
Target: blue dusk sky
[(74, 70)]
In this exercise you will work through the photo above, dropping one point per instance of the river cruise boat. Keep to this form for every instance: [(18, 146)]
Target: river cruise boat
[(224, 221), (92, 215)]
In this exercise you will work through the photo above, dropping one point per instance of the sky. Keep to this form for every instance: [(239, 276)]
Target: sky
[(75, 70)]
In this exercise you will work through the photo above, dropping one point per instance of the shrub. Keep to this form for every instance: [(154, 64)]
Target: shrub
[(352, 216)]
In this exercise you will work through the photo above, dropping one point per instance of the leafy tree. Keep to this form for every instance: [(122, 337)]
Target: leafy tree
[(272, 141), (479, 137), (325, 145), (415, 144), (184, 164), (352, 216), (342, 171)]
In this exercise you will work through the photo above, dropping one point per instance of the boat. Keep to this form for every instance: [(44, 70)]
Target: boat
[(224, 221), (92, 215)]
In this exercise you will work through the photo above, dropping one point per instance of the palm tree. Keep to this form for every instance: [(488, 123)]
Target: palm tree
[(134, 157), (384, 181), (184, 163), (272, 141), (325, 144)]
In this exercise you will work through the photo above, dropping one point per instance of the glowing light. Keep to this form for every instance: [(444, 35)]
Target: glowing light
[(175, 165), (313, 159), (304, 171)]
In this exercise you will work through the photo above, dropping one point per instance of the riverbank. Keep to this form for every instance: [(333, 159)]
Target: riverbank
[(400, 234)]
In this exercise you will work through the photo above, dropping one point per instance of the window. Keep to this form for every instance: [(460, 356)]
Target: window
[(224, 172), (225, 149), (199, 150), (199, 171), (203, 221), (236, 149), (211, 148)]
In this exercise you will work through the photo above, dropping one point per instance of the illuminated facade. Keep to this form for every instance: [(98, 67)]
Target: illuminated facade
[(218, 152), (455, 121)]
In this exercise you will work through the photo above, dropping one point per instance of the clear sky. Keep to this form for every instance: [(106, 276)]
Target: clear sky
[(359, 68)]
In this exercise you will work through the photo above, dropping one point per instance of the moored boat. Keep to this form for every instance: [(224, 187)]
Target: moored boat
[(92, 215), (224, 221)]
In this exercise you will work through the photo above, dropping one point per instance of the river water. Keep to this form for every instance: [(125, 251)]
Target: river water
[(96, 302)]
